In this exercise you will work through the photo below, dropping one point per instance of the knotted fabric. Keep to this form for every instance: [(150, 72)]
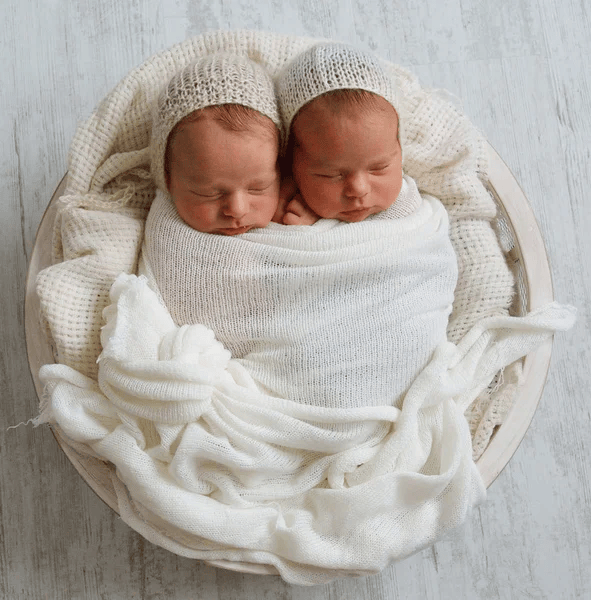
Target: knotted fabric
[(210, 467)]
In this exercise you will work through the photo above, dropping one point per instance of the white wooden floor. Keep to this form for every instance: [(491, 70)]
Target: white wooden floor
[(521, 70)]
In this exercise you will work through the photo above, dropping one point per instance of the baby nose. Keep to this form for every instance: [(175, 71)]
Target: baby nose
[(357, 185), (236, 205)]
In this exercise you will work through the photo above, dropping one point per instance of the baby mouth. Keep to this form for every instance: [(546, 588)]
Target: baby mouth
[(358, 212), (234, 230)]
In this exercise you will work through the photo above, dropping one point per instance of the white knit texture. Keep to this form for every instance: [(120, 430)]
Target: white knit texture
[(328, 67), (110, 157), (215, 469), (220, 78), (332, 314)]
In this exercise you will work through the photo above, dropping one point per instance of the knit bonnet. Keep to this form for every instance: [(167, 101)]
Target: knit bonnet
[(219, 78), (332, 66)]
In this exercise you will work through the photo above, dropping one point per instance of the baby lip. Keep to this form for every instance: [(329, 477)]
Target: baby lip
[(356, 211), (234, 230)]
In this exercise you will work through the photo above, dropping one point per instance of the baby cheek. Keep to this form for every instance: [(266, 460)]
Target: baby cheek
[(388, 190), (198, 216), (182, 207), (315, 190), (264, 207), (397, 187)]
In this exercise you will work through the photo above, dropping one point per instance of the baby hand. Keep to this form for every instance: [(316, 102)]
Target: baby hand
[(292, 210), (297, 212)]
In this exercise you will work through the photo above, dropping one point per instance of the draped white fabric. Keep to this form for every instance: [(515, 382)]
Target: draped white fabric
[(251, 478), (217, 467)]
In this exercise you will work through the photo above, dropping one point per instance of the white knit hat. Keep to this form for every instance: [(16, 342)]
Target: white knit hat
[(332, 66), (219, 78)]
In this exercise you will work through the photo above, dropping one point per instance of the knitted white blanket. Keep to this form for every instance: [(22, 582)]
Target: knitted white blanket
[(335, 440), (99, 225)]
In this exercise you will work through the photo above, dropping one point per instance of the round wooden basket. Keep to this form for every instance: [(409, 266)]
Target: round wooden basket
[(534, 290)]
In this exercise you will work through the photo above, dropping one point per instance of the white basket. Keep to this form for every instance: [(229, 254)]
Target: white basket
[(528, 259)]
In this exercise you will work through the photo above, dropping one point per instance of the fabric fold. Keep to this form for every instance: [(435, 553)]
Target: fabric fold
[(213, 487)]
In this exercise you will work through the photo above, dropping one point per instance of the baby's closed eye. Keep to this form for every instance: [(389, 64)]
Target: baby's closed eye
[(208, 197), (260, 186), (329, 175), (259, 189), (376, 169)]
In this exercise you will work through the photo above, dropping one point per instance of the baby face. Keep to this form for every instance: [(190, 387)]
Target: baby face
[(221, 181), (348, 165)]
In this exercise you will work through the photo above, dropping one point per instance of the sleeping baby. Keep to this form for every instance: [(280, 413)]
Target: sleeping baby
[(214, 148), (344, 143)]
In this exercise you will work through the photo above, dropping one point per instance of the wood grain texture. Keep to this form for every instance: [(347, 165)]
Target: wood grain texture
[(520, 69)]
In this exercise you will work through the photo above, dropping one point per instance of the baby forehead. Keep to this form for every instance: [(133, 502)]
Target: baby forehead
[(328, 111), (348, 103)]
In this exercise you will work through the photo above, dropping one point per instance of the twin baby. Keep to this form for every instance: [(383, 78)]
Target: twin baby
[(219, 129)]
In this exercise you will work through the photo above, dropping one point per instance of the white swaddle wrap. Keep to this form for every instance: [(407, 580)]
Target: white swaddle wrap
[(291, 448), (335, 314)]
